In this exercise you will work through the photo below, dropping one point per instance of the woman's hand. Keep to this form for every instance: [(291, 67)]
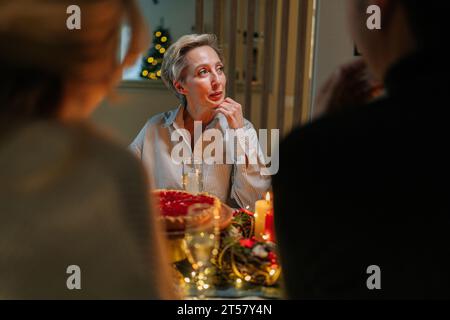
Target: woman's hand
[(233, 112), (350, 85)]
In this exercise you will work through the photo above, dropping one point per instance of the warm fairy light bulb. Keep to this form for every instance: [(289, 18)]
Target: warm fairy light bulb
[(187, 280), (248, 278)]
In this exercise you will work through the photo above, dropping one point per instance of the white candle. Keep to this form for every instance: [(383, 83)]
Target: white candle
[(261, 208)]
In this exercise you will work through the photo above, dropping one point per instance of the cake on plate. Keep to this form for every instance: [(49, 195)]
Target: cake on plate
[(174, 208)]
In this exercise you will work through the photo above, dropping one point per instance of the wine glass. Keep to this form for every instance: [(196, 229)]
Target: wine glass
[(201, 245), (193, 176)]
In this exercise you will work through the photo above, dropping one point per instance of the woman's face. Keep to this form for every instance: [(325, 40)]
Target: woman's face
[(204, 80)]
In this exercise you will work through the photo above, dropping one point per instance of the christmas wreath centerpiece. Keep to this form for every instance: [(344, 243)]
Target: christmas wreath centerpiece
[(242, 258)]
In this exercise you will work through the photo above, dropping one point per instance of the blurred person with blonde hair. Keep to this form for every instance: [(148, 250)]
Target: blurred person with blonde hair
[(69, 195)]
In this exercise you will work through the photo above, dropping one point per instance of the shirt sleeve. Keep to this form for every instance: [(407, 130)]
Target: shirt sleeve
[(248, 182), (137, 145)]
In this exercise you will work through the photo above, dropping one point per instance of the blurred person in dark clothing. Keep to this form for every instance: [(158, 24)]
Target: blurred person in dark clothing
[(366, 183)]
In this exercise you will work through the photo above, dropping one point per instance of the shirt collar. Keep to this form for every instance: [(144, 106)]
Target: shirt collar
[(175, 116), (171, 116)]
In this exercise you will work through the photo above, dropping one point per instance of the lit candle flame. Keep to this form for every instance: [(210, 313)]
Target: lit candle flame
[(268, 197)]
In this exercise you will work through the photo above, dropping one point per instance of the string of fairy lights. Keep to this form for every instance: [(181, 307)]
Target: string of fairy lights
[(152, 61), (225, 260)]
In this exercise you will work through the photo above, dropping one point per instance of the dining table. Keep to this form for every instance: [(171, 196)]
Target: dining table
[(243, 267)]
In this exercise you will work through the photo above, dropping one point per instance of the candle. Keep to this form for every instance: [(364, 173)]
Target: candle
[(261, 209), (269, 229)]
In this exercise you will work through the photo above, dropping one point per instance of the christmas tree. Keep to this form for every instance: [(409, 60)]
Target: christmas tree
[(151, 63)]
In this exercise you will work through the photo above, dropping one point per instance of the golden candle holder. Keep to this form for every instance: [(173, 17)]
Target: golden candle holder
[(176, 249)]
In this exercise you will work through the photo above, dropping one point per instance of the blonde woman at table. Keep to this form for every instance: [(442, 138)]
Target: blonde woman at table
[(193, 70), (75, 221)]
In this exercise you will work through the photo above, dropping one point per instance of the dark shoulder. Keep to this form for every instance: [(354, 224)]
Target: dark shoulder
[(340, 130), (49, 146), (351, 122), (101, 144), (111, 156), (331, 144)]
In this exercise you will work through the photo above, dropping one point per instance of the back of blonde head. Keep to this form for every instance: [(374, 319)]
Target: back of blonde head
[(38, 54), (35, 42)]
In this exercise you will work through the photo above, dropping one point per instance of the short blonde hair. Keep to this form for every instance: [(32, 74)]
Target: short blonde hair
[(174, 61), (39, 53)]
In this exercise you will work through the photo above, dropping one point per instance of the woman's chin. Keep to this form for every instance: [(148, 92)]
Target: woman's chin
[(214, 104)]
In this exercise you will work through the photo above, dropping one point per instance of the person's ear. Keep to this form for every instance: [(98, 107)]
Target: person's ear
[(179, 87)]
